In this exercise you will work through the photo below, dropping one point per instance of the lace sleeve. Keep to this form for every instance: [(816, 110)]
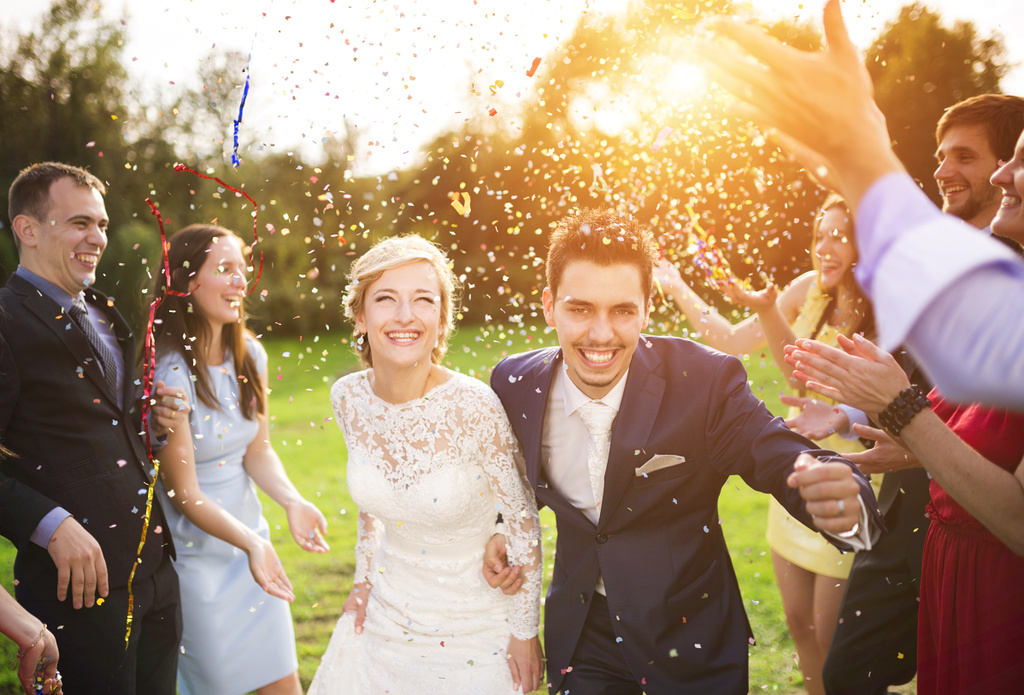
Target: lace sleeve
[(505, 468), (367, 543)]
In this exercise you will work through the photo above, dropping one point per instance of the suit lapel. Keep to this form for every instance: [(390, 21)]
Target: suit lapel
[(58, 321), (537, 385), (641, 402)]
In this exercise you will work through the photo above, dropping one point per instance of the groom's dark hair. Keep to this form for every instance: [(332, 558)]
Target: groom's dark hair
[(603, 237)]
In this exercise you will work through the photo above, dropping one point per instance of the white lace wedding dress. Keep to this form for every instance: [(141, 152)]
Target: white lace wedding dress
[(429, 477)]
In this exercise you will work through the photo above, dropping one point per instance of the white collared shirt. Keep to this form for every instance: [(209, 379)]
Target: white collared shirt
[(564, 445)]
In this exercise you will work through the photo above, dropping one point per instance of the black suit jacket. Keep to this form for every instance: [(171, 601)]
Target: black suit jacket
[(670, 584), (74, 447)]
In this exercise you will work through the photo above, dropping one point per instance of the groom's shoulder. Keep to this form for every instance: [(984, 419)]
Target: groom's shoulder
[(521, 365), (673, 349)]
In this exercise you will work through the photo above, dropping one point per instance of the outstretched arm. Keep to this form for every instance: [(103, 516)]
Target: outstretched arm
[(178, 472)]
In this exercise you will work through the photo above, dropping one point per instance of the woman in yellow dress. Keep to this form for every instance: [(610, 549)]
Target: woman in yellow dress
[(821, 304)]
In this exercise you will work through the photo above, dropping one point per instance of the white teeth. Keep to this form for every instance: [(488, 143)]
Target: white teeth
[(598, 357), (1009, 201), (403, 337), (953, 189), (90, 258)]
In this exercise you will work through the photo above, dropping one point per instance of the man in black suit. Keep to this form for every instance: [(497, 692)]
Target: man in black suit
[(73, 494), (629, 439)]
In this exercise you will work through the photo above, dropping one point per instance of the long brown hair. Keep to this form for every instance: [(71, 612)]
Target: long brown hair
[(180, 322), (865, 313)]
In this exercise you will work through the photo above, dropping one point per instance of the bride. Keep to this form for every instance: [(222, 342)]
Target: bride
[(432, 460)]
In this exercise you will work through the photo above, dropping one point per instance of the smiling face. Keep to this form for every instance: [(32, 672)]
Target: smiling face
[(599, 313), (401, 315), (218, 289), (66, 245), (834, 248), (1009, 220), (966, 162)]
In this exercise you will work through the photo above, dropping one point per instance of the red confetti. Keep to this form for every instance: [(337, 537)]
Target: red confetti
[(533, 68)]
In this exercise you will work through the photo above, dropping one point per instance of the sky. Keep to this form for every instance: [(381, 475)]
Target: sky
[(400, 73)]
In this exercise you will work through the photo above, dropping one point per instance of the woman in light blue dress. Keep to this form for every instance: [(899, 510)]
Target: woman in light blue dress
[(238, 634)]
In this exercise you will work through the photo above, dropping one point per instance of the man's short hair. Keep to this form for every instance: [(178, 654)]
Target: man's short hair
[(30, 192), (1002, 116), (603, 237)]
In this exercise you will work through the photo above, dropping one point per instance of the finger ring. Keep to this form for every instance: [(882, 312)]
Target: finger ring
[(842, 508), (312, 535)]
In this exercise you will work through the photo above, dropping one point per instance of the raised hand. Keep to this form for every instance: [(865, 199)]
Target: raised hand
[(830, 492), (80, 563), (822, 99), (886, 456), (757, 301), (861, 374), (817, 419), (357, 601), (308, 526)]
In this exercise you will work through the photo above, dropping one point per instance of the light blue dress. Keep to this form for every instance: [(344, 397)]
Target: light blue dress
[(236, 637)]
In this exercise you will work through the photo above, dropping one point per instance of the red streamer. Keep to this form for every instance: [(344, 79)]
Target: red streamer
[(149, 367)]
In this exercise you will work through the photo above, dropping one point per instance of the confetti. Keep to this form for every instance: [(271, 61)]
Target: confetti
[(462, 208), (660, 140), (533, 68)]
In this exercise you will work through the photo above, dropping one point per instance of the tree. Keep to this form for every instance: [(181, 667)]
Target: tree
[(920, 68)]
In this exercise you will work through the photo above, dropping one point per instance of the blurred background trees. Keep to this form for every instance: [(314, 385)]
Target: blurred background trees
[(591, 136)]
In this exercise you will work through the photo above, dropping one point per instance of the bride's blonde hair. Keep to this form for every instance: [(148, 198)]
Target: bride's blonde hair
[(394, 252)]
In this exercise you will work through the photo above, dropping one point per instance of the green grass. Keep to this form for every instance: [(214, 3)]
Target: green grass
[(313, 451)]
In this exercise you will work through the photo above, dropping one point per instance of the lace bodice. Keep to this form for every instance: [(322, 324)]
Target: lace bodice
[(433, 473)]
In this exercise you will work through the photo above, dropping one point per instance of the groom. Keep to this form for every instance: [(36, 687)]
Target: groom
[(629, 438)]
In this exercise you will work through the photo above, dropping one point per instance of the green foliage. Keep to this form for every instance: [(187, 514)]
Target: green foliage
[(920, 68)]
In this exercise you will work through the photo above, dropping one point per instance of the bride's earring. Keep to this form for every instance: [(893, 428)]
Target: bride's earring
[(359, 341)]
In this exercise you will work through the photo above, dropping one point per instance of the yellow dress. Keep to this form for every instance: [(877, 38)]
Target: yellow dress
[(787, 536)]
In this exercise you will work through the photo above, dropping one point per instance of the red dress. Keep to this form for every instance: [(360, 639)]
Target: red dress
[(971, 621)]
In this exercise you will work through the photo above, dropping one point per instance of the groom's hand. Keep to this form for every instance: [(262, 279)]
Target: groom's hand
[(830, 492), (497, 573)]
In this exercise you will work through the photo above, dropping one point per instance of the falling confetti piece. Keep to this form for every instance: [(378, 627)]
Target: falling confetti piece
[(462, 208), (681, 13), (660, 140), (533, 68)]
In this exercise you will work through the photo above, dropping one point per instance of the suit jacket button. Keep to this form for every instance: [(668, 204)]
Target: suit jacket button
[(583, 598), (601, 538)]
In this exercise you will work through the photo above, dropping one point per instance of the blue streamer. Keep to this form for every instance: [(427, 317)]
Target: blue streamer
[(245, 93)]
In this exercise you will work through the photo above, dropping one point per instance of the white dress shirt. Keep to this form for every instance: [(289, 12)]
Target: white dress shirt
[(564, 445)]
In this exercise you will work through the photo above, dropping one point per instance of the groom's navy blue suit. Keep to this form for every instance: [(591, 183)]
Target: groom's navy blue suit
[(672, 592)]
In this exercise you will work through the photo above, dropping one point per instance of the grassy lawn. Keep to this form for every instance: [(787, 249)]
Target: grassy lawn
[(313, 450)]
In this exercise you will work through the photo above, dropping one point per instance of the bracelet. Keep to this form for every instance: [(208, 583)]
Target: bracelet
[(902, 410), (26, 650)]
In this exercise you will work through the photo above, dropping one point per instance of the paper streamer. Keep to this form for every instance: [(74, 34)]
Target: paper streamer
[(149, 367)]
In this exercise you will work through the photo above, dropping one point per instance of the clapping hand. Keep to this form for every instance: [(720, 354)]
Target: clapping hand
[(308, 526), (886, 456), (861, 374)]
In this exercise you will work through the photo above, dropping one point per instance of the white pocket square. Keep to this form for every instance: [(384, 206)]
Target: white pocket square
[(658, 462)]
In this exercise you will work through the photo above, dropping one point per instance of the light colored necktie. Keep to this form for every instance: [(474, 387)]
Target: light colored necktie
[(598, 418), (80, 314)]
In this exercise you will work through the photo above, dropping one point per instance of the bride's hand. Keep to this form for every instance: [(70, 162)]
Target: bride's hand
[(356, 601), (526, 662)]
